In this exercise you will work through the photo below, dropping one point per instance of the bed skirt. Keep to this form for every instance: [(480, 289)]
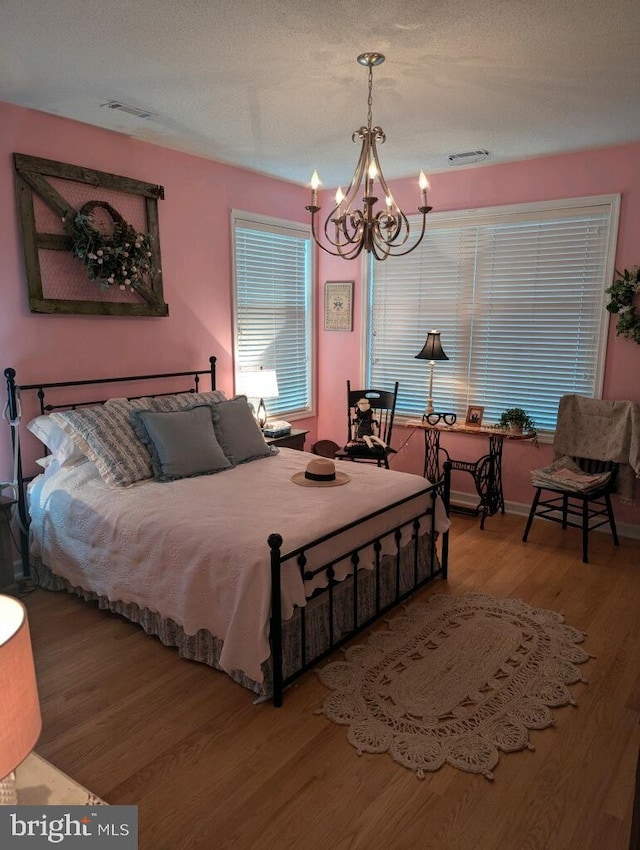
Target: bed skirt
[(205, 647)]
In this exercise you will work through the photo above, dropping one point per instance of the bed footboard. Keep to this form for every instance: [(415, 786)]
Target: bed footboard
[(378, 579)]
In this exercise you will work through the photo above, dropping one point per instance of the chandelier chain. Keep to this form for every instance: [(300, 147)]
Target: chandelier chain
[(370, 99)]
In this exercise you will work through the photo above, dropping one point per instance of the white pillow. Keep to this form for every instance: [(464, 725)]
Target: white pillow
[(60, 444)]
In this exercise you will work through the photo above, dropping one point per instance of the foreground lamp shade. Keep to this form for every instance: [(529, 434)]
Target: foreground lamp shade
[(431, 351), (20, 720), (258, 383)]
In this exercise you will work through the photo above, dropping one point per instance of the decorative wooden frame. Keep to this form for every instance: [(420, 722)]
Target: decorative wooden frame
[(338, 305), (474, 416), (31, 174)]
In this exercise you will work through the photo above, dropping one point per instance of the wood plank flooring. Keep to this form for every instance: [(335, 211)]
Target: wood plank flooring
[(208, 769)]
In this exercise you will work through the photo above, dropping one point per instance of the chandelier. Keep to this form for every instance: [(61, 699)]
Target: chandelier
[(382, 231)]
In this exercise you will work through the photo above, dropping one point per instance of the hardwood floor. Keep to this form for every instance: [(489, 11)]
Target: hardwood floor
[(208, 769)]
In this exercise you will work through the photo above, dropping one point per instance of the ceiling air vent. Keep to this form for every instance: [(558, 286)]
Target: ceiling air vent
[(130, 110), (467, 157)]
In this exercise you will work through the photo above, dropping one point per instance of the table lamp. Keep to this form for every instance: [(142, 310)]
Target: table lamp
[(258, 383), (20, 721), (431, 351)]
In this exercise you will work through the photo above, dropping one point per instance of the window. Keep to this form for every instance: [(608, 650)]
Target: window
[(272, 305), (518, 295)]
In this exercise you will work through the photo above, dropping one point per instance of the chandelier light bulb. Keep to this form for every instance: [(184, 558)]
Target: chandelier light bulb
[(315, 182), (423, 182), (339, 196)]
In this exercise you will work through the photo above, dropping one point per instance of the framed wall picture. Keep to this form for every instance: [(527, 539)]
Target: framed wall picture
[(474, 416), (74, 223), (338, 305)]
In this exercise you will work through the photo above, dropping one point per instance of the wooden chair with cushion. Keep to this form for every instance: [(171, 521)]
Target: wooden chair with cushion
[(587, 510), (596, 450), (370, 416)]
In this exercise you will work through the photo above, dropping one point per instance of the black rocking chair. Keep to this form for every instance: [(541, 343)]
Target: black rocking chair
[(370, 416)]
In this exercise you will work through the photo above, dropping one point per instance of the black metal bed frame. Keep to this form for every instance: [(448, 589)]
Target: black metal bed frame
[(406, 535)]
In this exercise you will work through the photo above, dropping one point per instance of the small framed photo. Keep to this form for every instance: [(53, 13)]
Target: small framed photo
[(474, 416), (338, 305)]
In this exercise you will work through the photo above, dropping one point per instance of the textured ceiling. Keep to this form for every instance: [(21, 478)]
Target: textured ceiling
[(274, 86)]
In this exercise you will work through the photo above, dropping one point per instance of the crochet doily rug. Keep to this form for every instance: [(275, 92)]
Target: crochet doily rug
[(455, 681)]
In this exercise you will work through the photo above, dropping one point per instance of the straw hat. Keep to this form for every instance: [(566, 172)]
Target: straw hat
[(320, 472)]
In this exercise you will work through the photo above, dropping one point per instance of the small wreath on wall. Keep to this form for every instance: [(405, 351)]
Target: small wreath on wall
[(622, 292), (121, 257)]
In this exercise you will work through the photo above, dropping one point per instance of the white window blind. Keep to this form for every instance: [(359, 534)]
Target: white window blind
[(518, 295), (272, 306)]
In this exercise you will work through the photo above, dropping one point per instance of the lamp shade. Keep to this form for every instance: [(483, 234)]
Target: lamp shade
[(432, 349), (20, 720), (258, 383)]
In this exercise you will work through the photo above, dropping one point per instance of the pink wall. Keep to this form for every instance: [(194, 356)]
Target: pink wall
[(595, 172), (196, 259)]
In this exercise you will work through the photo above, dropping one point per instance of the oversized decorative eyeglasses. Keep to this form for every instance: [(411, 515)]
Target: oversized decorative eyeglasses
[(434, 418)]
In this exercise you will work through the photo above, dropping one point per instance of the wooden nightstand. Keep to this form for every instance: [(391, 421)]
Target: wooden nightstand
[(294, 440)]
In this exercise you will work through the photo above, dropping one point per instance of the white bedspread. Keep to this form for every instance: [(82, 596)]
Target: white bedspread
[(196, 550)]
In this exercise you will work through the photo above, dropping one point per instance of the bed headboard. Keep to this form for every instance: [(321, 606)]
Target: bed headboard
[(14, 390), (13, 413)]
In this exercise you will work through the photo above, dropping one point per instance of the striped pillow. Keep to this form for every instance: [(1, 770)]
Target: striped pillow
[(183, 401), (105, 435)]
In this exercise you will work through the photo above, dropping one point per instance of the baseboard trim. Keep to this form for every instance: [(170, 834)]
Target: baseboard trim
[(468, 501)]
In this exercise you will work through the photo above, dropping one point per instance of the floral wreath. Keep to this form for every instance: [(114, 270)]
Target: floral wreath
[(121, 258), (622, 291)]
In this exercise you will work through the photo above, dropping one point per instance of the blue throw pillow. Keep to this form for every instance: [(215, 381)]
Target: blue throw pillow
[(182, 444), (238, 432)]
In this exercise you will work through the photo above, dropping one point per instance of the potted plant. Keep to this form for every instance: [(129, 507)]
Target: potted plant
[(517, 420), (623, 291)]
